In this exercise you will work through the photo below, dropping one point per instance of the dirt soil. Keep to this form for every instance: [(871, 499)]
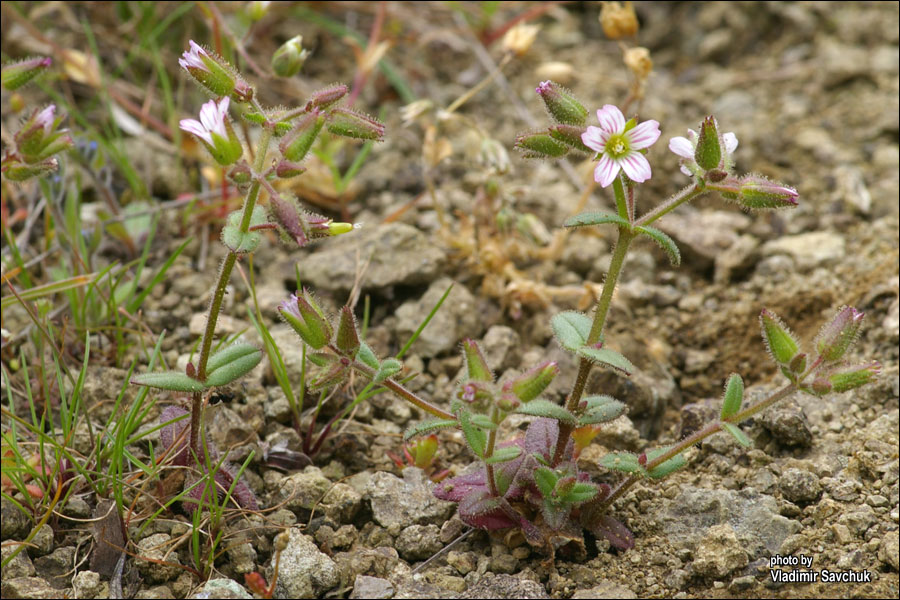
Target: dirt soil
[(811, 92)]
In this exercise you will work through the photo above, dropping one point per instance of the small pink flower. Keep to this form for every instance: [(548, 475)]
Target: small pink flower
[(617, 143), (212, 120), (193, 58), (685, 148)]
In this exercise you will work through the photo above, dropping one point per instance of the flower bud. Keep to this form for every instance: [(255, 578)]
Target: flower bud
[(286, 213), (854, 377), (214, 73), (16, 74), (562, 106), (708, 152), (40, 136), (297, 143), (289, 58), (285, 169), (530, 384), (257, 9), (215, 132), (779, 340), (618, 21), (353, 124), (341, 228), (757, 192), (479, 392), (347, 339), (570, 135), (240, 174), (798, 363), (477, 367), (325, 98), (837, 336), (15, 170), (820, 386), (540, 145), (305, 317)]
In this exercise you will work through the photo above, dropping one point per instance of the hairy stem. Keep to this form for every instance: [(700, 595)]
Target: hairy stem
[(584, 366), (489, 452), (671, 203), (695, 438), (403, 392)]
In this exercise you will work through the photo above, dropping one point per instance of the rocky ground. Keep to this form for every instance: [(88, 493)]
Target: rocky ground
[(810, 90)]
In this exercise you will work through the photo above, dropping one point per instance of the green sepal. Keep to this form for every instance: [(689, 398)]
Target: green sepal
[(708, 152), (571, 135), (175, 381), (666, 468), (502, 455), (734, 396), (366, 355), (624, 462), (347, 338), (664, 241), (607, 357), (475, 436), (737, 434), (545, 479), (601, 409), (779, 340), (389, 368), (540, 145), (476, 365), (571, 329), (232, 363), (589, 218), (428, 426), (547, 409), (235, 240)]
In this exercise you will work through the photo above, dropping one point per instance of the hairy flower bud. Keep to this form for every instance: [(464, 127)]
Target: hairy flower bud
[(353, 124), (708, 152), (839, 334), (286, 169), (854, 377), (16, 74), (540, 144), (296, 144), (302, 313), (757, 192), (562, 106), (778, 338), (214, 73), (531, 384), (327, 97), (289, 58), (40, 136), (215, 132)]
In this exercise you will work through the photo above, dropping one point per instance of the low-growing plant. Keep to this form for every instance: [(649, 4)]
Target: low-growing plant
[(533, 482)]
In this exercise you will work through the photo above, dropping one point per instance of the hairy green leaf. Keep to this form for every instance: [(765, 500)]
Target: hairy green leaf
[(428, 426), (625, 462), (586, 219), (548, 409), (175, 381), (571, 329), (505, 454), (666, 468), (737, 434), (664, 241), (601, 409), (734, 396), (607, 357)]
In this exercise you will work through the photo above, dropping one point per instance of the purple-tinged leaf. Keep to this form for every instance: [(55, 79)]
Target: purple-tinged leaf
[(613, 530), (457, 488), (175, 433), (484, 511)]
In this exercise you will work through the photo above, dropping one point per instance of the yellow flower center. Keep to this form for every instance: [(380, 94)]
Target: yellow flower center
[(617, 146)]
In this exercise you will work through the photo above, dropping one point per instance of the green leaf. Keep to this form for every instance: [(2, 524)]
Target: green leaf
[(347, 338), (571, 329), (734, 396), (601, 409), (738, 435), (231, 364), (175, 381), (545, 479), (607, 357), (666, 468), (389, 368), (237, 241), (428, 426), (475, 436), (482, 421), (502, 455), (580, 492), (664, 241), (548, 409), (624, 462), (586, 219), (779, 340), (366, 355)]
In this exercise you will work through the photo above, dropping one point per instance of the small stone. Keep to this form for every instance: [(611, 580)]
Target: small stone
[(800, 486), (225, 589), (14, 524), (28, 587), (156, 592), (87, 584), (504, 586), (398, 503), (418, 542), (20, 566), (742, 584), (341, 503), (242, 558), (809, 250), (304, 571), (719, 553), (300, 492), (377, 562), (157, 547), (889, 548), (502, 348), (42, 540), (372, 587), (56, 567), (788, 425), (463, 562), (458, 318)]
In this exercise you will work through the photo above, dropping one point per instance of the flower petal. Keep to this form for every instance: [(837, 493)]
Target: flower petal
[(606, 171), (644, 135), (682, 147), (196, 128), (686, 171), (594, 139), (636, 167), (611, 119), (731, 142)]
